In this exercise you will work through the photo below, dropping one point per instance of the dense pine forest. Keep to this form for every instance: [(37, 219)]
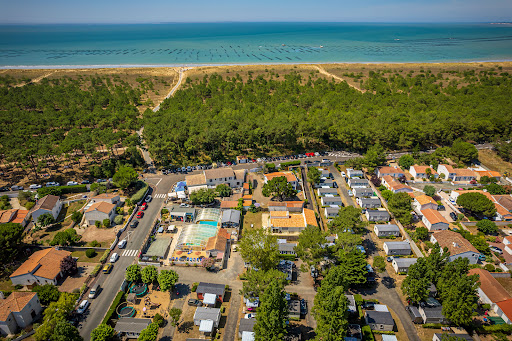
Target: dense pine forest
[(66, 119), (219, 117)]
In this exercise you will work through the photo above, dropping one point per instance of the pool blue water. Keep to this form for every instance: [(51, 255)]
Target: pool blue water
[(212, 223), (246, 43)]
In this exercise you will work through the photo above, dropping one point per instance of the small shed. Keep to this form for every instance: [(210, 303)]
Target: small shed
[(397, 248), (432, 314), (363, 192), (246, 325), (377, 215), (205, 314), (231, 218), (331, 212), (380, 320), (209, 300), (210, 288), (131, 327), (386, 230), (294, 309), (403, 264)]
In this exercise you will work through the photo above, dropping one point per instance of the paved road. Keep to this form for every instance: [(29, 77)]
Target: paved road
[(341, 185), (385, 292), (111, 283)]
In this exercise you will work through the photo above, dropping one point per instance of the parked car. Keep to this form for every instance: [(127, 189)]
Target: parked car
[(194, 302), (114, 257), (368, 305), (94, 291), (134, 224), (250, 316), (34, 186), (496, 249), (140, 214), (122, 244), (16, 188), (72, 183), (52, 184), (144, 206), (453, 216), (343, 174), (148, 198), (107, 268), (389, 258), (184, 205), (350, 193), (314, 273), (303, 306), (4, 189), (83, 307), (361, 248), (85, 182)]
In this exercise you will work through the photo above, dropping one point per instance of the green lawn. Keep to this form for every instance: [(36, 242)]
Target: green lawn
[(83, 258)]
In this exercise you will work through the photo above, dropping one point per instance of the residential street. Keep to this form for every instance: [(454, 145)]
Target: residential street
[(341, 185), (385, 292)]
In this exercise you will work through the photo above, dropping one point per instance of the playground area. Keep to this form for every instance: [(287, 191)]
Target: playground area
[(148, 304)]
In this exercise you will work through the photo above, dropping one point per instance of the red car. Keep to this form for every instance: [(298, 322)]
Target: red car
[(144, 206), (140, 214)]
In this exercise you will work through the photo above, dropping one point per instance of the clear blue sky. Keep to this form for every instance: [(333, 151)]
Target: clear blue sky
[(152, 11)]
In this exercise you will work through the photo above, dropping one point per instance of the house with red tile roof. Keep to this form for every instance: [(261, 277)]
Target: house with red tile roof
[(394, 186), (100, 211), (488, 173), (422, 202), (42, 267), (457, 246), (421, 172), (288, 222), (290, 177), (456, 174), (433, 220), (394, 172), (291, 206), (18, 311), (15, 216), (493, 293)]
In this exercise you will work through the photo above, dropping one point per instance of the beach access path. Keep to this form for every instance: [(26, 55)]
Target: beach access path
[(324, 72)]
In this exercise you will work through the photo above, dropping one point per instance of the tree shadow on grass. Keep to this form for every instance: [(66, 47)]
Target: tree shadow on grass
[(186, 327)]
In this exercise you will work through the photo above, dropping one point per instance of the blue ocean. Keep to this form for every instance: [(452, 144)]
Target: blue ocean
[(250, 43)]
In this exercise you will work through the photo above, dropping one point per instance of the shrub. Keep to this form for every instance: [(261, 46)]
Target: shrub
[(158, 319), (29, 205), (105, 256), (490, 267), (96, 269), (90, 253), (94, 243), (118, 220), (194, 286), (432, 325), (379, 263)]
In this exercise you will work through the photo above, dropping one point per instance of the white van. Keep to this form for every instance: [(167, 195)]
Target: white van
[(83, 307)]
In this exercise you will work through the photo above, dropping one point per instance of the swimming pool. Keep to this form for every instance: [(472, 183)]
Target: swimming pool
[(212, 223)]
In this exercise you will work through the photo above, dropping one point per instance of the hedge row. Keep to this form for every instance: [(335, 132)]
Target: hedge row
[(290, 163), (496, 328), (59, 190), (139, 194), (113, 306)]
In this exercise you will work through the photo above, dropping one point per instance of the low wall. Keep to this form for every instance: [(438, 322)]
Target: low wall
[(500, 274)]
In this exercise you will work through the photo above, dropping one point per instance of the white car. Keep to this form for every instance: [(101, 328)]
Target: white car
[(34, 186), (114, 257), (148, 198), (122, 244), (83, 307), (16, 188), (250, 316), (350, 193), (52, 184), (343, 174), (72, 183)]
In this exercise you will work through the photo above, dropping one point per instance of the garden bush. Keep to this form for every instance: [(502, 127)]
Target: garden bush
[(96, 269), (367, 333), (90, 253), (104, 257), (194, 286), (118, 220)]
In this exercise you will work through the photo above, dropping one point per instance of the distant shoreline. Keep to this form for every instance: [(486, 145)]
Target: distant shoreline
[(190, 65)]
